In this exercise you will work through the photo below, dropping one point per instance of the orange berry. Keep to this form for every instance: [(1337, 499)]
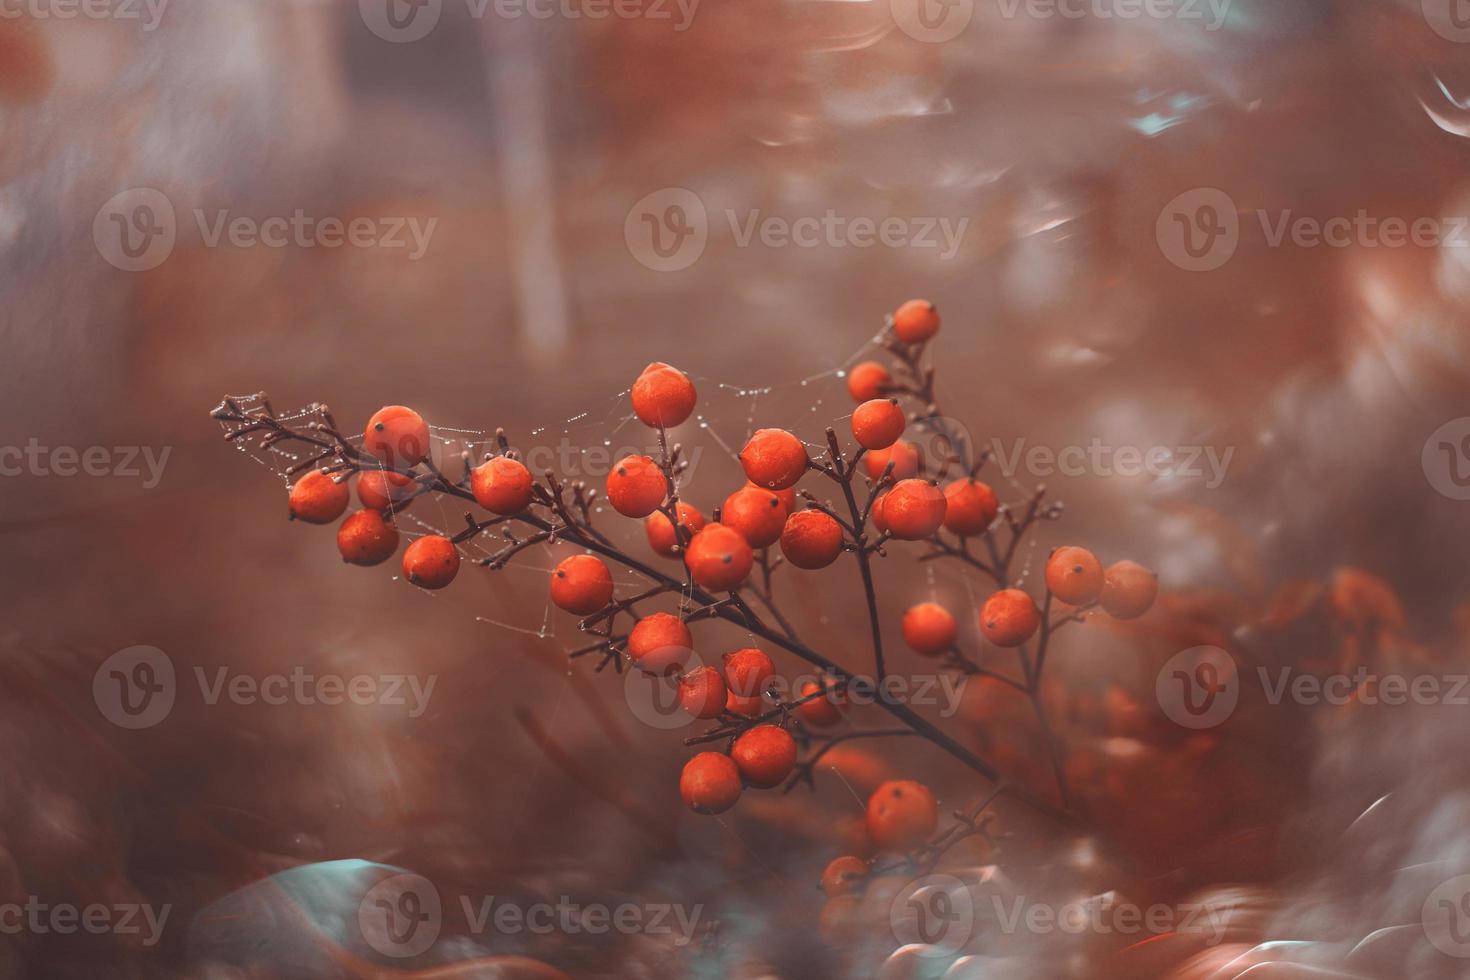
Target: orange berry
[(902, 815), (745, 707), (916, 321), (1128, 590), (431, 562), (877, 424), (660, 643), (636, 486), (317, 499), (710, 783), (765, 756), (867, 381), (971, 506), (663, 396), (774, 459), (746, 671), (502, 485), (876, 513), (386, 491), (843, 876), (397, 436), (365, 538), (719, 558), (581, 585), (660, 530), (905, 457), (913, 510), (811, 539), (929, 629), (1009, 617), (823, 712), (787, 497), (702, 692), (1074, 575), (758, 514)]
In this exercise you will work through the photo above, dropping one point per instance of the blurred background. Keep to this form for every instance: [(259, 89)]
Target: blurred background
[(548, 197)]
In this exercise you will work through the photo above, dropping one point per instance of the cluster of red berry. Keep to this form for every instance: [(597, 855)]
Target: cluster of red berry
[(719, 554)]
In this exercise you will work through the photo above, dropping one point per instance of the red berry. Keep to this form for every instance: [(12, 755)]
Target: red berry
[(581, 585), (843, 876), (1074, 575), (431, 562), (774, 459), (867, 381), (902, 815), (317, 498), (970, 508), (502, 485), (719, 558), (386, 491), (916, 321), (746, 671), (365, 538), (913, 510), (660, 530), (929, 629), (765, 756), (702, 692), (758, 514), (905, 457), (636, 486), (787, 497), (811, 539), (876, 513), (1128, 590), (660, 644), (710, 783), (877, 424), (1009, 618), (823, 712), (663, 396), (397, 436)]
